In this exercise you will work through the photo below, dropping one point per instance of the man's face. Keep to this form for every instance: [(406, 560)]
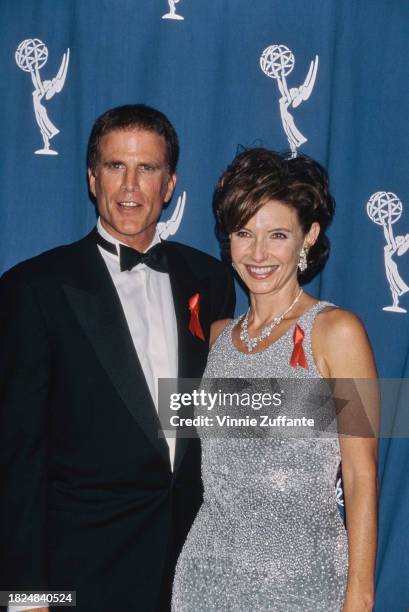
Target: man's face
[(131, 184)]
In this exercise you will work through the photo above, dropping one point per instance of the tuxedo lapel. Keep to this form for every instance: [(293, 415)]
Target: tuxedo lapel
[(98, 309), (192, 351)]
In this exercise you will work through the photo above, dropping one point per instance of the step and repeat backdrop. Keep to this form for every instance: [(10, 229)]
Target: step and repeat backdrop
[(329, 79)]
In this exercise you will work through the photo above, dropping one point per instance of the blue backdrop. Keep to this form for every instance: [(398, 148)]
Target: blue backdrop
[(326, 78)]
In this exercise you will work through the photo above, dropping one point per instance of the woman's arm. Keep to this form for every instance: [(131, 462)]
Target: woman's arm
[(345, 353)]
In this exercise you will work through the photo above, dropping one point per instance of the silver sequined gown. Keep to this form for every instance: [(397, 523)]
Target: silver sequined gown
[(268, 535)]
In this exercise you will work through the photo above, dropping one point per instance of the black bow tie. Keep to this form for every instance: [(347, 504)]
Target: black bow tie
[(154, 258)]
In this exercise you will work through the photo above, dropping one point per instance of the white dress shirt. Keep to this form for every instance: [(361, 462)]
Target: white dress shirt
[(147, 302)]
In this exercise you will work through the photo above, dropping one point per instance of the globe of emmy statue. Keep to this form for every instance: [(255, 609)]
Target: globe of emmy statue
[(384, 206), (277, 61), (31, 54)]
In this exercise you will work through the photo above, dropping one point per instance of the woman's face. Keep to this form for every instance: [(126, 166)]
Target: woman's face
[(266, 251)]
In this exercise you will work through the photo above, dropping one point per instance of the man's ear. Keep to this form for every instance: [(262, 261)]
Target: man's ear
[(170, 188), (91, 182)]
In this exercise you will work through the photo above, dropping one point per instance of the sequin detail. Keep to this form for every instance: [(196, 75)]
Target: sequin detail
[(268, 536)]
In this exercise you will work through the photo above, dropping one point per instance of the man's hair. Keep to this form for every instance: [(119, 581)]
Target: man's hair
[(129, 117), (259, 175)]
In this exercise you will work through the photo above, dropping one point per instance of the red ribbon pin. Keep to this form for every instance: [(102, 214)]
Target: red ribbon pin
[(298, 355), (194, 324)]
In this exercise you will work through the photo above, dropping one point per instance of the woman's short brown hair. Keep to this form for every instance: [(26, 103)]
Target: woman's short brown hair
[(257, 176)]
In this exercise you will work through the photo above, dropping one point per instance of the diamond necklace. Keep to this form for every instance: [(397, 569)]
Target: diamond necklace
[(251, 343)]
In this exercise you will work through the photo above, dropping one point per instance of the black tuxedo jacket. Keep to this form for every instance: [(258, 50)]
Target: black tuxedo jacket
[(88, 499)]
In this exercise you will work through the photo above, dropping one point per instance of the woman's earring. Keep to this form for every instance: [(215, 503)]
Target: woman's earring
[(302, 262)]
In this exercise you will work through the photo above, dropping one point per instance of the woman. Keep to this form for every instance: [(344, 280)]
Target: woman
[(268, 535)]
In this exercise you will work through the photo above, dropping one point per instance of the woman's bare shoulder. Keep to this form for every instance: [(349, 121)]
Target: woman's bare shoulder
[(216, 329), (341, 340), (338, 324)]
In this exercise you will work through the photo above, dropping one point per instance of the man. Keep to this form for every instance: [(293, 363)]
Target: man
[(93, 500)]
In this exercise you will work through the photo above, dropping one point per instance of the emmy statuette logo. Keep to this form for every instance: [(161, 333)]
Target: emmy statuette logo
[(31, 55), (277, 62), (172, 11), (385, 208), (171, 226), (339, 493)]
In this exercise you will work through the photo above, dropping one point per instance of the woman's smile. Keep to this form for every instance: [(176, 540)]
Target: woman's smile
[(260, 272)]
